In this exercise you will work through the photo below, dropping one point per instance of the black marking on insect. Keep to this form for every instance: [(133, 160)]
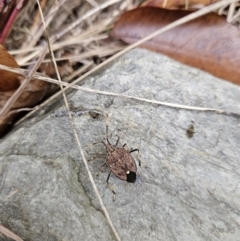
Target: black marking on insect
[(120, 162)]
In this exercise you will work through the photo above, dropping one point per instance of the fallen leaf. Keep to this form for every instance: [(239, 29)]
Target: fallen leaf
[(35, 91), (208, 43), (8, 80)]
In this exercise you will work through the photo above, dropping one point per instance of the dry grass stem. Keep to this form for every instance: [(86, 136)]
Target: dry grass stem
[(67, 86), (232, 12), (101, 52), (174, 24), (86, 36), (9, 233), (78, 140), (84, 17), (38, 31)]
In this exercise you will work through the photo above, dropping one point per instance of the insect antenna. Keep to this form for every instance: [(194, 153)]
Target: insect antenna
[(106, 123), (108, 176), (117, 140)]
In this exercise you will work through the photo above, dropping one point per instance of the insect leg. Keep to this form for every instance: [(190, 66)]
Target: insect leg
[(108, 176), (100, 168), (117, 140), (106, 123), (139, 159), (104, 144), (125, 147), (114, 193), (110, 186), (133, 150)]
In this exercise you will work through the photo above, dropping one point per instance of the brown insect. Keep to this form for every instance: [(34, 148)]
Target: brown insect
[(119, 160)]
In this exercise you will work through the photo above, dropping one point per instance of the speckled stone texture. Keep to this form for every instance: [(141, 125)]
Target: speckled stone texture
[(190, 189)]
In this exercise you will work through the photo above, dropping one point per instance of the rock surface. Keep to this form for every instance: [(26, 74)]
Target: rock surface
[(190, 189)]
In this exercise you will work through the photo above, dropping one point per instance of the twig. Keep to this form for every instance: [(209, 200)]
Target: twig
[(9, 233), (101, 51), (84, 17), (39, 76), (77, 138), (39, 31), (25, 59)]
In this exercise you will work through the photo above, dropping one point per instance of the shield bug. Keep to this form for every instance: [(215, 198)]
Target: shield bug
[(119, 160)]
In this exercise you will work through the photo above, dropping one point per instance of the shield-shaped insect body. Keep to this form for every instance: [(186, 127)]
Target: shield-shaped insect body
[(121, 163), (119, 160)]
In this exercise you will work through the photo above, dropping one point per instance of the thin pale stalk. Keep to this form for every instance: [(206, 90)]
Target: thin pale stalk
[(9, 233), (77, 138), (172, 105)]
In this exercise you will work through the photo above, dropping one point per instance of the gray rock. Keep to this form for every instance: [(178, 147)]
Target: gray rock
[(189, 190)]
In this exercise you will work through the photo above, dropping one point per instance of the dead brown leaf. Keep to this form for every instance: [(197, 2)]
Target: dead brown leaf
[(208, 43), (8, 80), (9, 83)]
